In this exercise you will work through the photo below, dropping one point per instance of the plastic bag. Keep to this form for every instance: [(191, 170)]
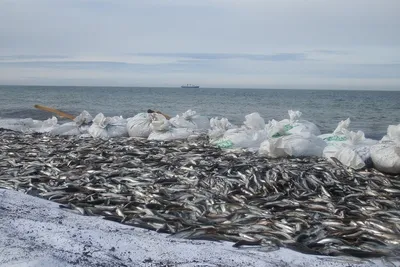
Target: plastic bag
[(171, 134), (254, 122), (249, 136), (276, 129), (353, 151), (339, 134), (79, 126), (70, 128), (29, 125), (386, 157), (191, 120), (162, 130), (393, 134), (83, 119), (295, 145), (356, 157), (218, 128), (241, 138), (296, 126), (139, 125), (159, 123), (45, 126), (272, 148), (303, 145), (336, 140), (108, 127)]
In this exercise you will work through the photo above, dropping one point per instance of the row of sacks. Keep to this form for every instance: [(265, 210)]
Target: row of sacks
[(255, 131), (294, 137), (153, 126)]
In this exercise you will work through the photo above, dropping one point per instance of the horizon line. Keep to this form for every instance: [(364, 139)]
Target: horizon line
[(201, 87)]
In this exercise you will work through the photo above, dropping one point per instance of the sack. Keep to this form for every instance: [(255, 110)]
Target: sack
[(79, 126), (294, 145), (249, 136), (254, 122), (296, 126), (218, 128), (171, 134), (29, 125), (303, 145), (163, 130), (356, 157), (353, 151), (190, 120), (139, 125), (117, 127), (83, 119), (272, 148), (386, 157), (159, 123), (276, 129), (242, 138), (45, 126), (70, 128), (393, 134), (108, 127), (339, 134)]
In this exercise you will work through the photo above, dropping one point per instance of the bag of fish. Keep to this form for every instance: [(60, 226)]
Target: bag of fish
[(45, 126), (79, 126), (386, 154), (108, 127), (336, 140), (294, 125), (218, 128), (355, 151), (249, 136), (162, 130), (190, 120), (29, 125), (139, 125), (339, 134), (294, 145)]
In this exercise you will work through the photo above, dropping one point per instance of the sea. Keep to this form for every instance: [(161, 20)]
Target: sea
[(369, 111)]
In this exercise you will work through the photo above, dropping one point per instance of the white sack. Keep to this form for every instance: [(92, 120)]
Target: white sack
[(191, 120), (296, 126), (108, 127), (218, 128), (386, 157), (139, 125), (295, 145), (162, 130)]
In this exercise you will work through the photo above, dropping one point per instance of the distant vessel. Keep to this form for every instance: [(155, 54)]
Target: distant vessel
[(190, 86)]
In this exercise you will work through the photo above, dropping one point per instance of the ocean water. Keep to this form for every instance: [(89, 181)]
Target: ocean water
[(369, 111)]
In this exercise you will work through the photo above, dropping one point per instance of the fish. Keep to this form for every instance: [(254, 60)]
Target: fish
[(194, 190)]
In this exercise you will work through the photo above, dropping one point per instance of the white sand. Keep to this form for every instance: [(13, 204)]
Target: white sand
[(36, 232)]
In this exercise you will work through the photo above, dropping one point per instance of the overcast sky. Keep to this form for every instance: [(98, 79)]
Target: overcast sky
[(317, 44)]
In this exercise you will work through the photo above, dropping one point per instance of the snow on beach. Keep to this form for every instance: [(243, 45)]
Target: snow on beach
[(35, 232)]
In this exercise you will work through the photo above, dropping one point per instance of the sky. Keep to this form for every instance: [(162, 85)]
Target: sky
[(295, 44)]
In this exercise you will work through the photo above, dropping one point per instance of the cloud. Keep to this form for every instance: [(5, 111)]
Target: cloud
[(218, 56), (330, 52), (29, 57), (281, 43)]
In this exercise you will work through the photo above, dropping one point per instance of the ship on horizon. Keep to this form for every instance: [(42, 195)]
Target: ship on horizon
[(190, 86)]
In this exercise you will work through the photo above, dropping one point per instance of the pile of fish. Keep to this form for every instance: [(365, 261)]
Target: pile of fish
[(192, 190)]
